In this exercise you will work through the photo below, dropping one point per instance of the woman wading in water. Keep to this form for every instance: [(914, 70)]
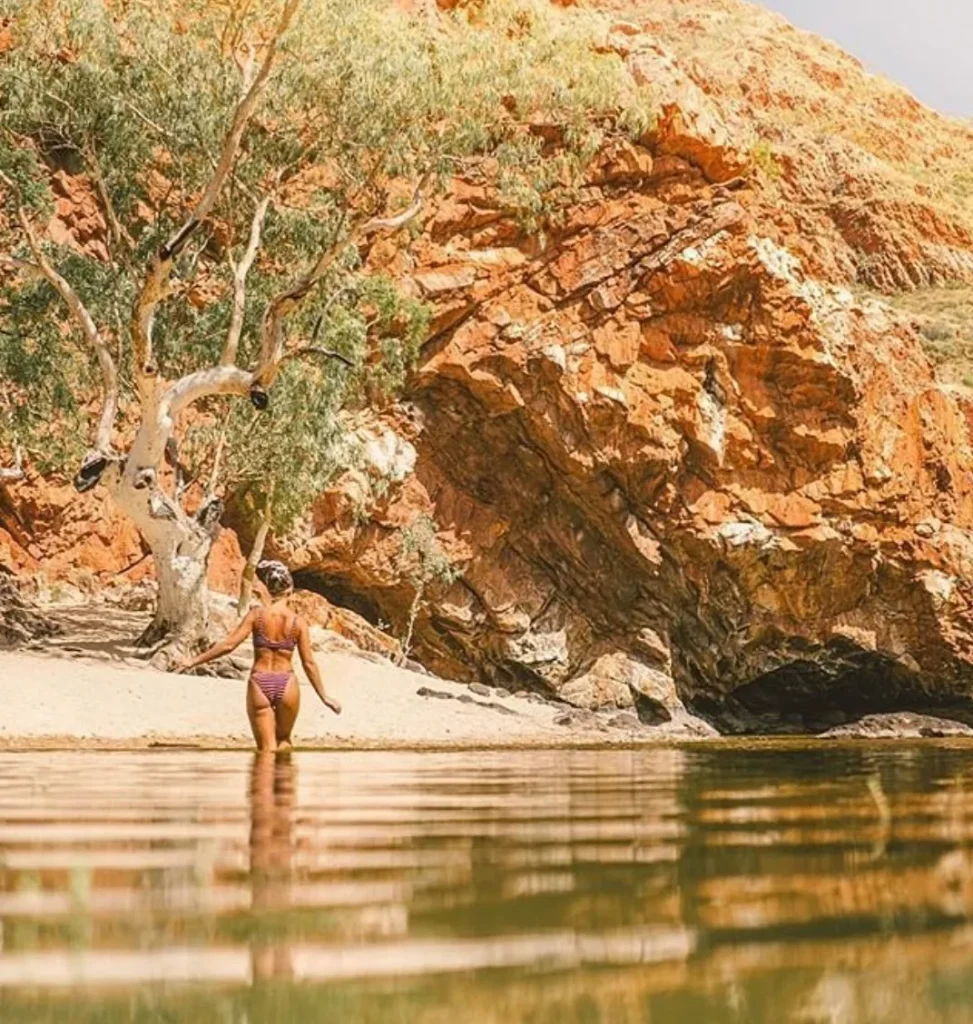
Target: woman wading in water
[(273, 695)]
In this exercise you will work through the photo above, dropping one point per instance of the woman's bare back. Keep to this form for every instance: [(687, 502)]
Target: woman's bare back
[(276, 632)]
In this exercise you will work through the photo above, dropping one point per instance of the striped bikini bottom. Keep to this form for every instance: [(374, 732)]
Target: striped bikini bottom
[(272, 685)]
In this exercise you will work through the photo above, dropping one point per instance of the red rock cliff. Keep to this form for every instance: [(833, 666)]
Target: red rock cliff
[(675, 459)]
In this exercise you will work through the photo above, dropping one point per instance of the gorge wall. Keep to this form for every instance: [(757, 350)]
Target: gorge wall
[(676, 460)]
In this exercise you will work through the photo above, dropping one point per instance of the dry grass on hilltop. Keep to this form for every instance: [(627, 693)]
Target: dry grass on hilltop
[(944, 320)]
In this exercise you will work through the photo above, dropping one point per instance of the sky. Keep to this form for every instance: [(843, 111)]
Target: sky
[(923, 44)]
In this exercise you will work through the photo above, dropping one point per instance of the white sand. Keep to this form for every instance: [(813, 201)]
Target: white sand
[(53, 700)]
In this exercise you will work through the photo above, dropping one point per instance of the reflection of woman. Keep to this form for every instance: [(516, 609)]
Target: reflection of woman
[(272, 789), (273, 696)]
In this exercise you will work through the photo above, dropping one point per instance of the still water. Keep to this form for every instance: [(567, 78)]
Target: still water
[(815, 884)]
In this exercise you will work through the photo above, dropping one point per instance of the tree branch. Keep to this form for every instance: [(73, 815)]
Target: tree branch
[(233, 27), (80, 312), (257, 550), (158, 129), (285, 303), (316, 350), (215, 380), (155, 288), (118, 235), (240, 271), (214, 477), (17, 264), (248, 69), (400, 220)]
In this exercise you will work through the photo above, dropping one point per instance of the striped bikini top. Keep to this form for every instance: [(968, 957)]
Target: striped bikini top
[(260, 638)]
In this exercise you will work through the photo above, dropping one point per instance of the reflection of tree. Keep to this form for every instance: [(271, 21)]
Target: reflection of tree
[(272, 789)]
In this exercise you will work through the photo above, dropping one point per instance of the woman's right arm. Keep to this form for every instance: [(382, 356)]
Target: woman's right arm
[(311, 668), (225, 646)]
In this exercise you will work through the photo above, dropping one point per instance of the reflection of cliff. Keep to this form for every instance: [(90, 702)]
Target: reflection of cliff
[(921, 981), (727, 885)]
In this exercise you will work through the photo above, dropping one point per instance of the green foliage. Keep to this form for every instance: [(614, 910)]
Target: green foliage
[(23, 167), (765, 160), (936, 333), (942, 316), (296, 448), (291, 456), (41, 369), (961, 186), (423, 562), (364, 102)]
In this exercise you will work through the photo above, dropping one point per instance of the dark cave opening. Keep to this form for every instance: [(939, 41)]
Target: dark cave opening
[(829, 686), (860, 683), (338, 593)]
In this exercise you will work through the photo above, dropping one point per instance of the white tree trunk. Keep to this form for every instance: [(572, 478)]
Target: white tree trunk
[(180, 543), (180, 549)]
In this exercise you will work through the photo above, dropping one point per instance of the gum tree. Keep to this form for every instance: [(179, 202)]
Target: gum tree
[(242, 159)]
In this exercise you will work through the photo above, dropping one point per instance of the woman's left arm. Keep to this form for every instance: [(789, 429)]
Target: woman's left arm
[(224, 647)]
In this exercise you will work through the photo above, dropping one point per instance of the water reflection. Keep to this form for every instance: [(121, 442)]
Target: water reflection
[(768, 885), (273, 784)]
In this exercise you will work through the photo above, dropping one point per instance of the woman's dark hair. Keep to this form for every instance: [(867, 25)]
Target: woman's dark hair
[(276, 577)]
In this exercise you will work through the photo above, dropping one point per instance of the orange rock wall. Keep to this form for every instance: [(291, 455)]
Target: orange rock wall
[(661, 448)]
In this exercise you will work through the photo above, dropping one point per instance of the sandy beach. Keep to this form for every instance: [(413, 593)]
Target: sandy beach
[(85, 688), (52, 700)]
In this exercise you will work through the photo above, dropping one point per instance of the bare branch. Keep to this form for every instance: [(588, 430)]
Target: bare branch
[(11, 474), (231, 143), (256, 551), (285, 303), (248, 69), (80, 312), (155, 288), (316, 350), (233, 27), (240, 271), (146, 120), (17, 264), (400, 220), (214, 476), (215, 380), (118, 235)]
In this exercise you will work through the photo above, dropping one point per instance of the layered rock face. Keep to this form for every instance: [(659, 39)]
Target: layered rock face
[(20, 621), (674, 467), (867, 183)]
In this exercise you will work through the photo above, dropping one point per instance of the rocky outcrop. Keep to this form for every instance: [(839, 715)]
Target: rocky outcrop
[(674, 467), (20, 621), (863, 183), (55, 535), (859, 180)]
